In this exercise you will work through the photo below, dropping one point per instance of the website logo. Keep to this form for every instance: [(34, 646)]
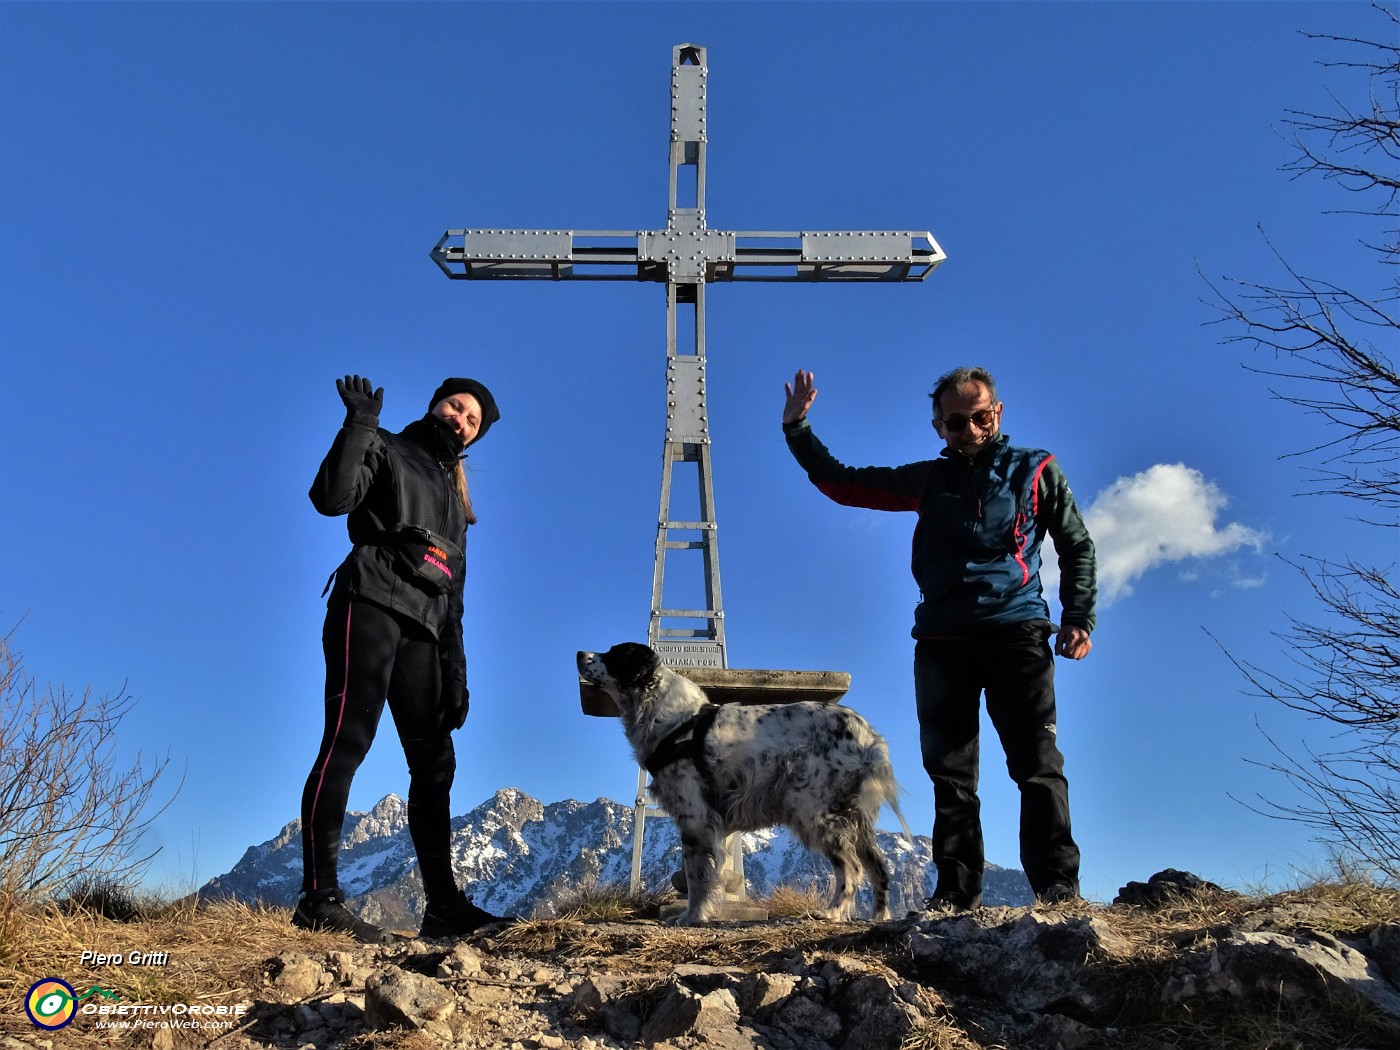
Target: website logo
[(51, 1004)]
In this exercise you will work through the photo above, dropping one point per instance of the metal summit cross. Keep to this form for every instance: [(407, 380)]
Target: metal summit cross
[(686, 256)]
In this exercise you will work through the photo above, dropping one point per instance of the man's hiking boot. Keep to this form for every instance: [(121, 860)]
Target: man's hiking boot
[(1058, 893), (325, 910), (940, 904), (455, 917)]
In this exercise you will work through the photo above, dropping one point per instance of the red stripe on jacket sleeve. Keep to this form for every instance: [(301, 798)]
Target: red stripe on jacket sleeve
[(853, 495), (1035, 485)]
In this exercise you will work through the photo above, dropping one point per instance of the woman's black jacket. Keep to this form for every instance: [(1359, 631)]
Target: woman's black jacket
[(384, 481)]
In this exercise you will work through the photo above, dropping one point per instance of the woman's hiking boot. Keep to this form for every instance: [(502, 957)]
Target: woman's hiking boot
[(455, 917), (325, 910)]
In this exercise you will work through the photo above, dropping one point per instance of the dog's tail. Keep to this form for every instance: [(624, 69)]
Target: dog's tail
[(881, 788)]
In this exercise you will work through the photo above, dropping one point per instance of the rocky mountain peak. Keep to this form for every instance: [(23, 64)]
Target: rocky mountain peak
[(515, 855)]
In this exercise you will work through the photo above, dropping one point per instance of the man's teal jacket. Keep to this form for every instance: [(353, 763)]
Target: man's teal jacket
[(976, 547)]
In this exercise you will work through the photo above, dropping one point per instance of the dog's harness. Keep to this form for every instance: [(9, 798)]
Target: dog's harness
[(687, 740)]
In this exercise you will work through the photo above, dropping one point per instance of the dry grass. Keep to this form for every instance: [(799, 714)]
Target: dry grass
[(786, 902), (215, 952), (1285, 1024), (1358, 904), (545, 938), (653, 946), (1339, 908), (944, 1034), (607, 903)]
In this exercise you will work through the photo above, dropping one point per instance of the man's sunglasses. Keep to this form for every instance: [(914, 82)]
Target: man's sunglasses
[(983, 417)]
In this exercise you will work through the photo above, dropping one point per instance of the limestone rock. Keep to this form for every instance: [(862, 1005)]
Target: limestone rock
[(805, 1018), (1383, 948), (596, 991), (296, 976), (759, 992), (396, 998), (682, 1011), (1290, 966), (1035, 962)]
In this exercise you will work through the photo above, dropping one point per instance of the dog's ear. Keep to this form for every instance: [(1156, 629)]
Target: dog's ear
[(631, 663)]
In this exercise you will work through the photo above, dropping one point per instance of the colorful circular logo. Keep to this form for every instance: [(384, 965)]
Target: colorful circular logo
[(51, 1003)]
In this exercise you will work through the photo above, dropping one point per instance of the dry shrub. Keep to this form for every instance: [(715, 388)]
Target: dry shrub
[(605, 902), (108, 898), (795, 902), (68, 809)]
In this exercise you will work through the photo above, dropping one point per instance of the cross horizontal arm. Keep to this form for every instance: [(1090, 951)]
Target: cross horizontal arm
[(687, 255), (845, 255), (597, 255)]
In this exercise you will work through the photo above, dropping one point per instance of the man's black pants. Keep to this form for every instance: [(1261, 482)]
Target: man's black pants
[(372, 655), (1015, 668)]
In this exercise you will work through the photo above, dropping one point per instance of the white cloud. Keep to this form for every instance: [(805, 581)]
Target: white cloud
[(1167, 513)]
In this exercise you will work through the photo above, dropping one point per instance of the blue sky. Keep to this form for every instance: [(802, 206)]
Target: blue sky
[(208, 212)]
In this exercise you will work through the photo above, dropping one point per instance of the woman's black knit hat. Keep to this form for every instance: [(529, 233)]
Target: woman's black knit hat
[(489, 412)]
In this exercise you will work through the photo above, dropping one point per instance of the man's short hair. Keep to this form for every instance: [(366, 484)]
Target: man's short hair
[(961, 377)]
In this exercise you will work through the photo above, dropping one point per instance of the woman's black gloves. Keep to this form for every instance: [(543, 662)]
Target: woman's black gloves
[(456, 699), (362, 401)]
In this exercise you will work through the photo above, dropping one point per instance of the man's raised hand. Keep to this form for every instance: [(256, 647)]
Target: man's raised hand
[(800, 395)]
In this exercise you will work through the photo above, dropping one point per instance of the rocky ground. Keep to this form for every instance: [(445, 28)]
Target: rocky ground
[(1297, 970)]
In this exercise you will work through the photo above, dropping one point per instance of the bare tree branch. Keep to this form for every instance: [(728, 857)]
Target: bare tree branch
[(1329, 358), (67, 809)]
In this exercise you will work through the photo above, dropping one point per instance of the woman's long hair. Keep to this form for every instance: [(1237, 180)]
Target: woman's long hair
[(459, 482)]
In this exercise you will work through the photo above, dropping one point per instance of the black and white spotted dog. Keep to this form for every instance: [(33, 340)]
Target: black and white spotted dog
[(817, 768)]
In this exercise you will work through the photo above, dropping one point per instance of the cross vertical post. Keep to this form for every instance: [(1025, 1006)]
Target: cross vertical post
[(699, 639), (684, 248)]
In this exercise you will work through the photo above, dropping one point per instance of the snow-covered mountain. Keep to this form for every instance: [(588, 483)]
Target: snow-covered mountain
[(515, 855)]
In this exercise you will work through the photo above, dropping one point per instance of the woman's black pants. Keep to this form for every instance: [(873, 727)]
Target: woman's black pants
[(1015, 668), (373, 655)]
